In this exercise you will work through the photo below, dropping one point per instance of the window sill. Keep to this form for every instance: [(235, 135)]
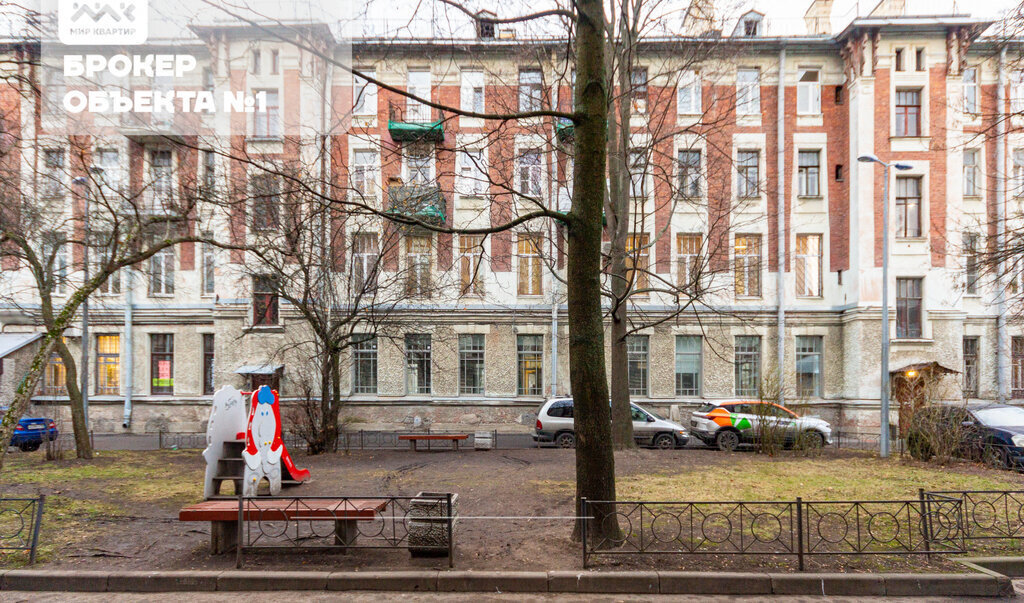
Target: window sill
[(810, 197), (266, 328), (811, 297), (162, 295), (265, 139), (911, 340)]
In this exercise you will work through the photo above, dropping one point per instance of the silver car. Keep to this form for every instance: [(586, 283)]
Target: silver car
[(555, 424)]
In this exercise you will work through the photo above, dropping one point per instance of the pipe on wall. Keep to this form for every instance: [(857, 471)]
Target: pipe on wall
[(129, 352), (1002, 343), (780, 279)]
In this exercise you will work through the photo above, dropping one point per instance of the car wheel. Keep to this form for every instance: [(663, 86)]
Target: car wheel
[(811, 440), (664, 441), (727, 441), (566, 440), (29, 446), (994, 454)]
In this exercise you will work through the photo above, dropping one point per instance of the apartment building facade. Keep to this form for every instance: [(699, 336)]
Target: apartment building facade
[(745, 183)]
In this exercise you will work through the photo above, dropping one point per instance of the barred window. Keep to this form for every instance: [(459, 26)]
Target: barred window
[(808, 366), (637, 364), (530, 352), (689, 361), (747, 268), (471, 364), (364, 365), (748, 365), (808, 265), (417, 363), (108, 365)]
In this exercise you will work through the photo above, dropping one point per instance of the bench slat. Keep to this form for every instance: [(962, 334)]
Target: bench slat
[(270, 510)]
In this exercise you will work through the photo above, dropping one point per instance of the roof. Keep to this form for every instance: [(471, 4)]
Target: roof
[(259, 369), (12, 342), (924, 366)]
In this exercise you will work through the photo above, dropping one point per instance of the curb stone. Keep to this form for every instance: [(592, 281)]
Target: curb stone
[(982, 584)]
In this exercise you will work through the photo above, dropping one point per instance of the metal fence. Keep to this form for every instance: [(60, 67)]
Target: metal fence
[(987, 514), (798, 528), (423, 524), (369, 439), (20, 520)]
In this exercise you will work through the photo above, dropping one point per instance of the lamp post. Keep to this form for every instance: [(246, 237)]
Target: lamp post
[(97, 172), (883, 447)]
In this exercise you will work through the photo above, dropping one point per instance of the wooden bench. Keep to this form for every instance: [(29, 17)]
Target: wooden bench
[(454, 438), (223, 516)]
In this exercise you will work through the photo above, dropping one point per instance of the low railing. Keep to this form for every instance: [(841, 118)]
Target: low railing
[(362, 439), (987, 514), (423, 524), (798, 528), (20, 521)]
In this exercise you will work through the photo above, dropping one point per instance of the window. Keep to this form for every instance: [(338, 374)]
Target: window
[(267, 123), (908, 113), (971, 172), (808, 366), (530, 282), (808, 93), (54, 377), (747, 265), (209, 268), (364, 365), (530, 173), (161, 272), (970, 82), (161, 365), (638, 261), (908, 207), (689, 94), (638, 174), (419, 164), (264, 301), (209, 171), (208, 82), (161, 178), (419, 85), (111, 286), (748, 365), (919, 59), (751, 27), (110, 180), (530, 90), (971, 263), (898, 59), (472, 91), (809, 175), (908, 308), (1017, 91), (364, 95), (53, 173), (971, 367), (689, 363), (808, 265), (749, 179), (1017, 362), (208, 387), (364, 173), (255, 66), (530, 353), (637, 364), (365, 259), (748, 92), (1017, 185), (417, 262), (638, 89), (839, 173), (839, 95), (266, 202), (473, 172), (417, 363), (471, 252), (108, 365), (471, 364), (688, 262), (275, 62), (689, 173), (54, 253)]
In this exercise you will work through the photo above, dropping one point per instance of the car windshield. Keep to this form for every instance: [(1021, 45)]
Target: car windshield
[(1004, 416), (706, 407), (654, 414)]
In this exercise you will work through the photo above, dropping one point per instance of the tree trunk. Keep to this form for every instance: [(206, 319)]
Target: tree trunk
[(595, 460), (332, 421), (317, 423), (83, 445)]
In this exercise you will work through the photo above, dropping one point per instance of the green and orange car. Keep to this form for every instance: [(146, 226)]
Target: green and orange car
[(728, 425)]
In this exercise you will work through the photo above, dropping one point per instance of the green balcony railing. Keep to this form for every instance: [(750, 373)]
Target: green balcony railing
[(408, 125), (424, 202)]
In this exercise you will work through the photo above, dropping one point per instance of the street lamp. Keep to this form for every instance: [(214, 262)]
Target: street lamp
[(883, 449), (97, 173)]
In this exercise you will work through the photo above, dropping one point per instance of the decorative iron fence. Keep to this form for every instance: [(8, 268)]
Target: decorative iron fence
[(366, 439), (20, 520), (987, 514), (798, 528), (424, 524)]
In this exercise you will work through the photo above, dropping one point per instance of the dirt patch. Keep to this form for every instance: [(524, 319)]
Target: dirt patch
[(120, 511)]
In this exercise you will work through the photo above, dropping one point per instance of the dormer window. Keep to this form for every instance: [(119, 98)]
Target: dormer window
[(750, 27)]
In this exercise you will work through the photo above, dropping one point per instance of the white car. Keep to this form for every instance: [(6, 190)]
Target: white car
[(726, 425)]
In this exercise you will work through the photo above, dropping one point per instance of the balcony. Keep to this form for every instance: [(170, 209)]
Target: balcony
[(424, 202), (410, 122)]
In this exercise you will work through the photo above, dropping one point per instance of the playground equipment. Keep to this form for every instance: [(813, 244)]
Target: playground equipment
[(246, 447)]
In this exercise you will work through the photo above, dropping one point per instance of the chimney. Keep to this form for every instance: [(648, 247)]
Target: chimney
[(889, 8), (700, 18), (818, 18)]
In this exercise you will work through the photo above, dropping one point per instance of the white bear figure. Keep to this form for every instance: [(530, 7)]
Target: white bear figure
[(227, 420), (263, 444)]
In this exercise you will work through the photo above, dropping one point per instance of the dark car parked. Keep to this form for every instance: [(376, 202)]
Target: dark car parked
[(993, 433), (31, 432)]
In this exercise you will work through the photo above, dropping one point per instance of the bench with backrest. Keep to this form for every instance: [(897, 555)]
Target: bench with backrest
[(223, 516), (454, 438)]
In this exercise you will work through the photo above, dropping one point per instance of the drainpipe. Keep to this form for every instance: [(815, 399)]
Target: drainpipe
[(780, 279), (128, 355), (1001, 335), (553, 234)]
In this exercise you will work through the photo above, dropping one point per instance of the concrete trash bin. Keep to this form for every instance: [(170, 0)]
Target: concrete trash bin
[(428, 523), (483, 440)]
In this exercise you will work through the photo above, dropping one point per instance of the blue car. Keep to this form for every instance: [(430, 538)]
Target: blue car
[(31, 432)]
